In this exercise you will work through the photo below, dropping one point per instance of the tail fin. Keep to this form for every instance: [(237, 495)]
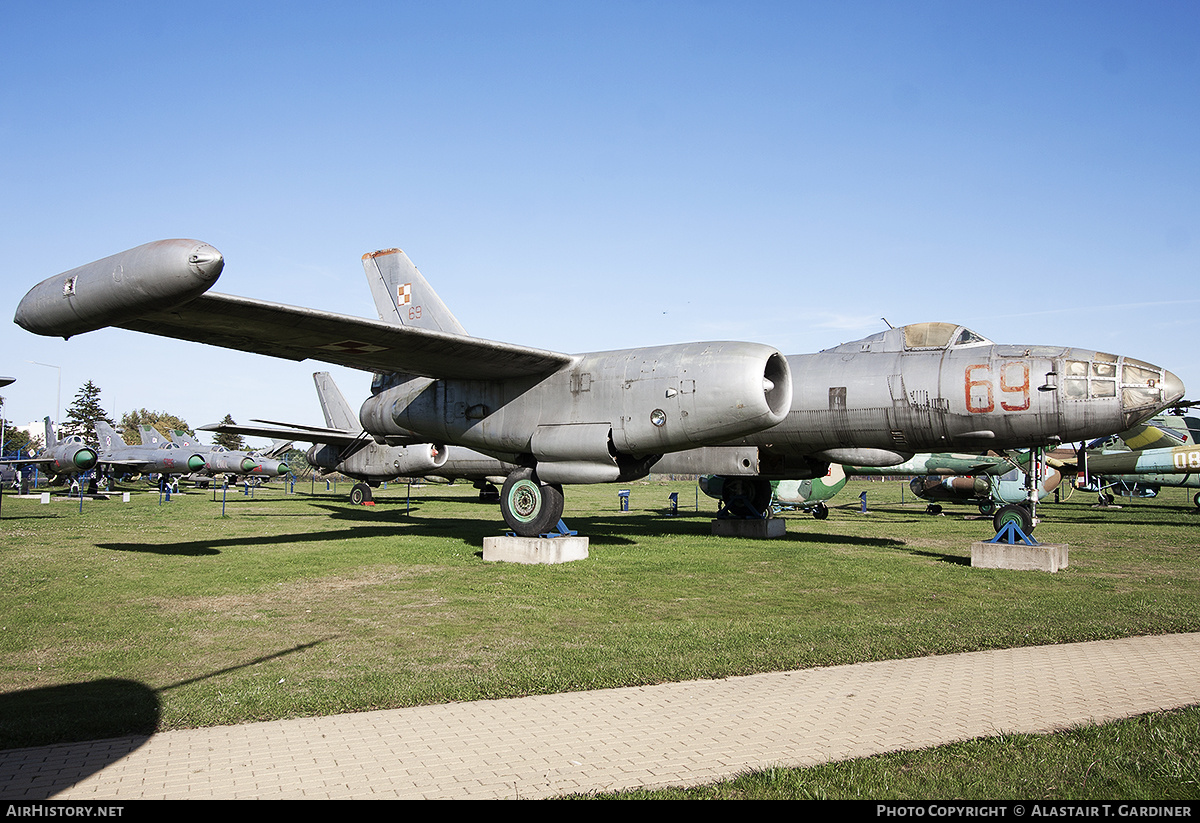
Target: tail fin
[(108, 437), (338, 413), (183, 439), (151, 436), (51, 440), (403, 296)]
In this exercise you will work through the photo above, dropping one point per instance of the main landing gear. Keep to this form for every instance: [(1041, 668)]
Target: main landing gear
[(530, 507), (745, 497)]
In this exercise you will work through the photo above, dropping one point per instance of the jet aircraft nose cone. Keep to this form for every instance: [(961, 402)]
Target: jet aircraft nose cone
[(85, 459)]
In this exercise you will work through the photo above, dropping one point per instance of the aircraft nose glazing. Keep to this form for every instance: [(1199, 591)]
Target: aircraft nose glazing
[(1172, 387), (1145, 389)]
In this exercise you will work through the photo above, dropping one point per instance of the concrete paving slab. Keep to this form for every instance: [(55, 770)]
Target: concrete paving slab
[(652, 736)]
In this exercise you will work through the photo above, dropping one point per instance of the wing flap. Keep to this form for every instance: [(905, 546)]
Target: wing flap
[(296, 333)]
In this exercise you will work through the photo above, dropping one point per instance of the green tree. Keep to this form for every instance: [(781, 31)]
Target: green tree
[(83, 414), (164, 422), (16, 440), (233, 442)]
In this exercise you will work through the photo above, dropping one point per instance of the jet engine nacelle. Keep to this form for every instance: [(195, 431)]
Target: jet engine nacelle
[(376, 462), (119, 288), (604, 417)]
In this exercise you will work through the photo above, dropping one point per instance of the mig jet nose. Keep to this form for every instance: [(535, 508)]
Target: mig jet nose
[(84, 459)]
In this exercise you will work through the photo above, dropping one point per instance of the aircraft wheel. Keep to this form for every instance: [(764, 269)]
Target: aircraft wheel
[(933, 508), (821, 512), (529, 506), (1196, 500), (360, 494), (746, 496), (1014, 513), (987, 507)]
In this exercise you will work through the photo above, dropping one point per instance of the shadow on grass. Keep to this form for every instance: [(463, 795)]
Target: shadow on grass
[(124, 714)]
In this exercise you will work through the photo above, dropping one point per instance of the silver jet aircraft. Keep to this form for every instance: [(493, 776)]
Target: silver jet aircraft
[(220, 460), (611, 416), (343, 446), (155, 454), (938, 387), (60, 459)]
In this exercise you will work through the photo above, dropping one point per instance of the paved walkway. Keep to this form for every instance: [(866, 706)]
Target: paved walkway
[(673, 734)]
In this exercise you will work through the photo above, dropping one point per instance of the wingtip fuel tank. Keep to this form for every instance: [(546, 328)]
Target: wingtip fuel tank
[(107, 292)]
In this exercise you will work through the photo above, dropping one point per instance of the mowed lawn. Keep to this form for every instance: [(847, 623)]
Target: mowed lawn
[(120, 618)]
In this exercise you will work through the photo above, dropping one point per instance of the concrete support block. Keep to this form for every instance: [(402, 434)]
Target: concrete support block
[(510, 549), (758, 529), (1045, 557)]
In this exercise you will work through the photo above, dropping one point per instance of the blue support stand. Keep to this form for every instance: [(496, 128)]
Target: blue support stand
[(1011, 533), (674, 498), (563, 531)]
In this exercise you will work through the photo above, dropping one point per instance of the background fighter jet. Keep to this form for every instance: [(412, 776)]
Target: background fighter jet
[(155, 455), (60, 459), (611, 416), (344, 447), (220, 460)]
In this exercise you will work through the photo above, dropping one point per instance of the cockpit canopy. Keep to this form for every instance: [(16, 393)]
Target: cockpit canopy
[(918, 337)]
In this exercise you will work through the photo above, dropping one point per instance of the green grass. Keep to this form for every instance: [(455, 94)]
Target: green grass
[(171, 615)]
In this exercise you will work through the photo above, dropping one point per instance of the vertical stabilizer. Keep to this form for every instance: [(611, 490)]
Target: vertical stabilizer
[(338, 413), (51, 440), (108, 438), (152, 436), (403, 296), (184, 440)]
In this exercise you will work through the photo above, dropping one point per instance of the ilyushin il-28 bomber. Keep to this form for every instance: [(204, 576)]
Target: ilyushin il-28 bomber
[(612, 416)]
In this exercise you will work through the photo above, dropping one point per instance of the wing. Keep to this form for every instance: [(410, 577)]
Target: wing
[(296, 333), (290, 431)]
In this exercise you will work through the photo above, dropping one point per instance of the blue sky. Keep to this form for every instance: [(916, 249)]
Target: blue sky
[(586, 176)]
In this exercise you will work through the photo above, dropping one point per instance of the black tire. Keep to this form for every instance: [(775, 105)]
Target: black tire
[(821, 512), (933, 508), (746, 496), (529, 506), (987, 506), (1013, 513), (361, 494), (1196, 500)]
